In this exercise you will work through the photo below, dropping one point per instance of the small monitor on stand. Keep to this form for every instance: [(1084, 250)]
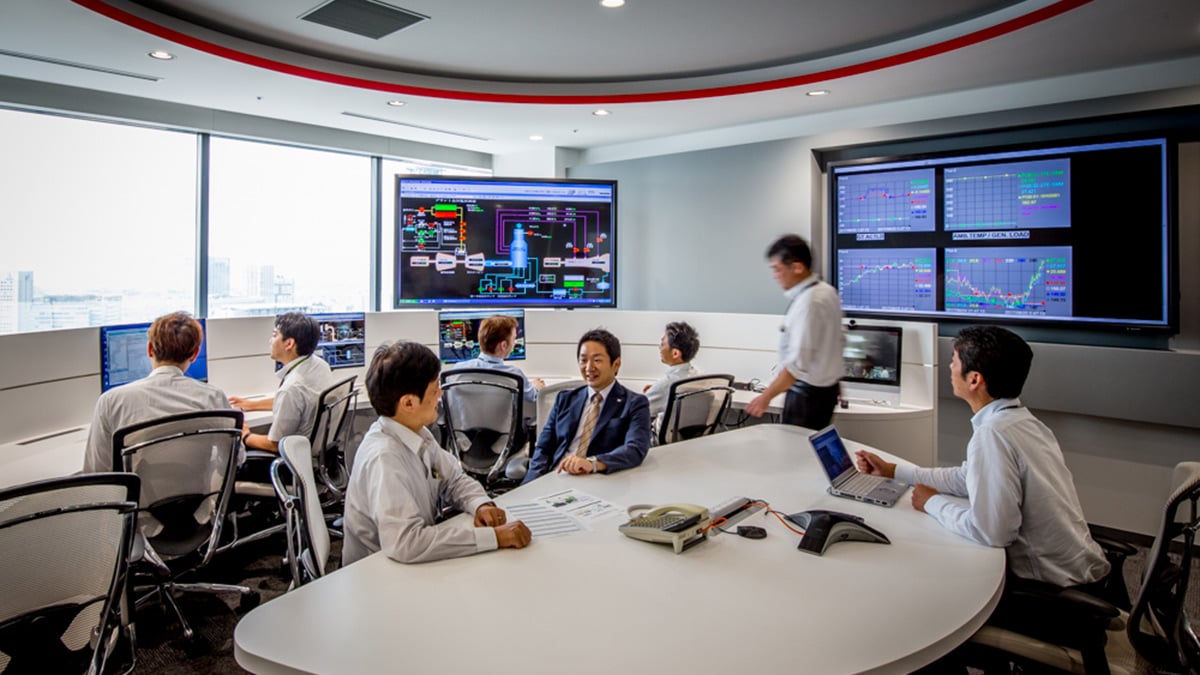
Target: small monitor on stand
[(872, 361), (343, 339), (458, 333), (123, 356)]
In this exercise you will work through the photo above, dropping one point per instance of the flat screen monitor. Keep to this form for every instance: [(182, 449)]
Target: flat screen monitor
[(505, 242), (872, 360), (343, 341), (1063, 235), (458, 333), (123, 356)]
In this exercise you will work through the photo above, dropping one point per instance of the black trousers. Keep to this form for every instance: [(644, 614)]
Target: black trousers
[(809, 406)]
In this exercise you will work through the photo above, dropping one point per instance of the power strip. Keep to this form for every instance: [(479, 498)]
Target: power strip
[(734, 511)]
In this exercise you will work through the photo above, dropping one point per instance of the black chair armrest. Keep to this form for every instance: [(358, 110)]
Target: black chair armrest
[(1112, 546), (1069, 599)]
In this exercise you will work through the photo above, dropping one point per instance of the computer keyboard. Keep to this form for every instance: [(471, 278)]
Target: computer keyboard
[(860, 484)]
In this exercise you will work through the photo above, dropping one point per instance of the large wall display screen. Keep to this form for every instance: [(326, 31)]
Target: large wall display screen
[(504, 241), (1058, 235)]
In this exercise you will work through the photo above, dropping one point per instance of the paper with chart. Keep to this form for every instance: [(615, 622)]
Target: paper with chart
[(561, 513)]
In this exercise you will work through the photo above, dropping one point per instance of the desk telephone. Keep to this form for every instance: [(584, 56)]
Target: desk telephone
[(680, 525)]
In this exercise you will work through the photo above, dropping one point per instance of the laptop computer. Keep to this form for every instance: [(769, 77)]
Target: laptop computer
[(845, 480)]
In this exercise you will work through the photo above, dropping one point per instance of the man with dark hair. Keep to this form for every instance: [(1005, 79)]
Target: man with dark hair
[(172, 343), (810, 340), (302, 378), (1020, 493), (401, 476), (676, 349), (497, 338), (598, 428)]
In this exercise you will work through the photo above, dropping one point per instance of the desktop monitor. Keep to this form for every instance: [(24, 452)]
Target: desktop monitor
[(872, 362), (123, 356), (343, 341), (458, 333)]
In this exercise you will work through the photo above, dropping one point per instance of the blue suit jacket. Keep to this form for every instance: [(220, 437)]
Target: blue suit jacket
[(620, 440)]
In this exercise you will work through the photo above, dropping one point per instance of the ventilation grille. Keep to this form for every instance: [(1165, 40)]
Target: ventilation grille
[(363, 17), (414, 126), (81, 66)]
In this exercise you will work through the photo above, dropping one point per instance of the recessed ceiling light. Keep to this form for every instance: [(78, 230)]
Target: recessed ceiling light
[(611, 3), (535, 137), (601, 112), (818, 92), (161, 55), (396, 104)]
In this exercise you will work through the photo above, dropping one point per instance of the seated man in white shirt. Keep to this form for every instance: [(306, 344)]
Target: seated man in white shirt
[(303, 377), (676, 349), (173, 342), (497, 338), (1020, 494), (401, 476)]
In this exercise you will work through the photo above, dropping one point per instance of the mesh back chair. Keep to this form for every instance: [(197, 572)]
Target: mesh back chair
[(186, 463), (331, 436), (1187, 636), (546, 398), (484, 413), (695, 407), (307, 534), (66, 545)]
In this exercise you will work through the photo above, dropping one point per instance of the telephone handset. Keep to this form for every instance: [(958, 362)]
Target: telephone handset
[(680, 525)]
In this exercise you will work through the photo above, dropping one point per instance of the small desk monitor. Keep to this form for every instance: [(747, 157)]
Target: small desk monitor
[(458, 333), (872, 358), (123, 356), (343, 341)]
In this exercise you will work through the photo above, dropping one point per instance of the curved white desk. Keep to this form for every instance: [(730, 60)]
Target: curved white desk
[(598, 602)]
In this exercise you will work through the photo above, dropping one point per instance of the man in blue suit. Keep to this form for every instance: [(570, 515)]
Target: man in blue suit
[(599, 428)]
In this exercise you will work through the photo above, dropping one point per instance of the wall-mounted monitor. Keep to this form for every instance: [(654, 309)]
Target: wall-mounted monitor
[(123, 356), (1054, 234), (458, 334), (343, 341), (505, 242), (872, 359)]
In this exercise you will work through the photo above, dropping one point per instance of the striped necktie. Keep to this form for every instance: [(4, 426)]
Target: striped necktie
[(589, 424)]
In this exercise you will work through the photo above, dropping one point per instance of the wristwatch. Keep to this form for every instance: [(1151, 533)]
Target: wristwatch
[(595, 468)]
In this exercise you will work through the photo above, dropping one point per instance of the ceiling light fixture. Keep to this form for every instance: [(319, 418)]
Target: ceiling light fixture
[(601, 113), (161, 55), (396, 104), (611, 4), (818, 92), (535, 137)]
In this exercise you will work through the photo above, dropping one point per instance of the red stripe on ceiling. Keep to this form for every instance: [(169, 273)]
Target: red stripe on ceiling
[(982, 35)]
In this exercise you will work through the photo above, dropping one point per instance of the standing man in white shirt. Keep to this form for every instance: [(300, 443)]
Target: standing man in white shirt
[(810, 340), (401, 476), (302, 378), (676, 349), (173, 343)]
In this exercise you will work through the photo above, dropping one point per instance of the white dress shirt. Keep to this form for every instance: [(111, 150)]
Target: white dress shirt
[(657, 393), (165, 391), (811, 339), (1020, 496), (296, 402), (392, 501), (497, 363)]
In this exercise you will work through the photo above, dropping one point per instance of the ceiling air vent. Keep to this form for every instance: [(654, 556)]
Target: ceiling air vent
[(363, 17)]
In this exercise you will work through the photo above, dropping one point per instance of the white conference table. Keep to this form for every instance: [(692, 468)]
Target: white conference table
[(598, 602)]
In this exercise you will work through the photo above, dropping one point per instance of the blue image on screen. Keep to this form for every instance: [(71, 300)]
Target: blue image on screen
[(832, 453), (123, 356)]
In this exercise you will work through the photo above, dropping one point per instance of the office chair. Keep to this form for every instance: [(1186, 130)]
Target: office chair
[(63, 573), (695, 407), (307, 534), (1189, 643), (1109, 638), (331, 437), (484, 414), (187, 464), (546, 398)]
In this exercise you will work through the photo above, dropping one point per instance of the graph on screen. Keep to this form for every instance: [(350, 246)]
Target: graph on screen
[(896, 279), (1009, 281), (1032, 194), (893, 201)]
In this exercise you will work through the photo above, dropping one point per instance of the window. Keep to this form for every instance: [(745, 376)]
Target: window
[(98, 221), (289, 230)]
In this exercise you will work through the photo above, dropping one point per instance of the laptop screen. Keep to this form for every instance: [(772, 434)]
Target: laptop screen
[(831, 451)]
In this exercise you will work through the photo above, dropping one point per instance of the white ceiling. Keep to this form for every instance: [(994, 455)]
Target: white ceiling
[(542, 49)]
